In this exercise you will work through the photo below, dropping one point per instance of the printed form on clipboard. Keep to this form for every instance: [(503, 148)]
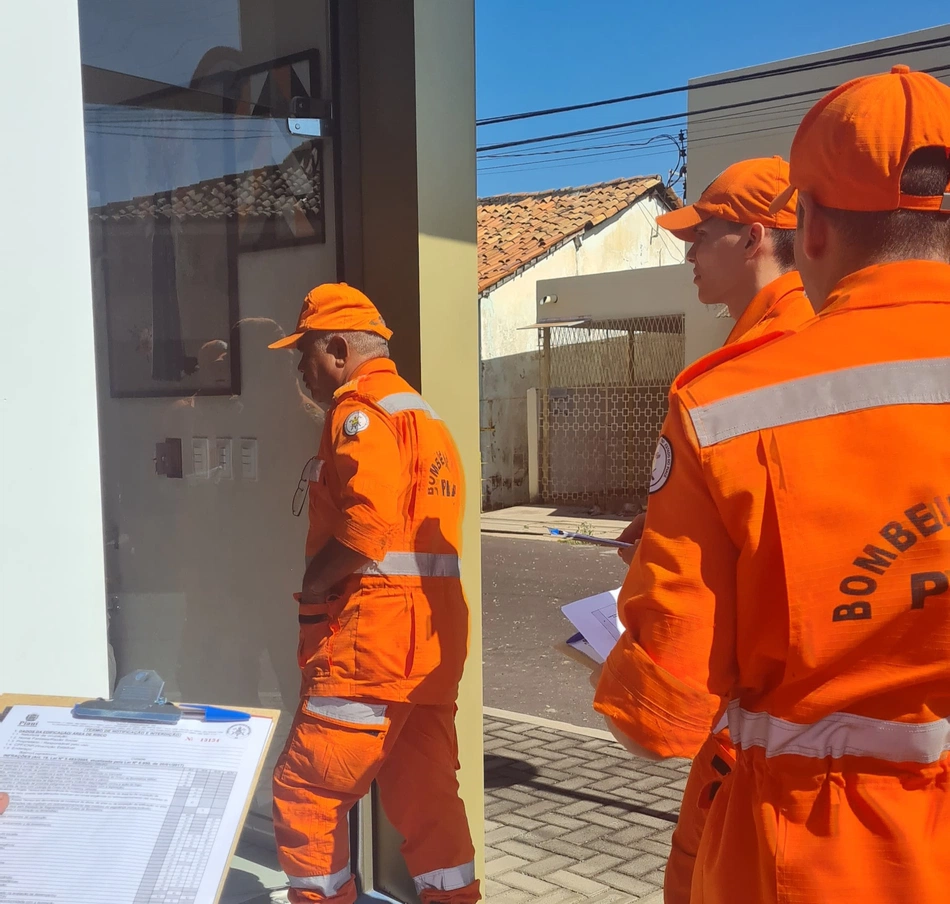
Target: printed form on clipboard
[(597, 623)]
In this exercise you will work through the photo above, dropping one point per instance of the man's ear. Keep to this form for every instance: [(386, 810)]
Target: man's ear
[(812, 228), (338, 348), (754, 240)]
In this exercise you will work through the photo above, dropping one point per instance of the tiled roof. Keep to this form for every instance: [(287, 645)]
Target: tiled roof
[(293, 186), (514, 230)]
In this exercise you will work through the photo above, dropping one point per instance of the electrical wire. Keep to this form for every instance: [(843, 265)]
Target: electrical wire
[(862, 56)]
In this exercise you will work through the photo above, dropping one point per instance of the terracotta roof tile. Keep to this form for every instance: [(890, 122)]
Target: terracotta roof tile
[(514, 230), (293, 186)]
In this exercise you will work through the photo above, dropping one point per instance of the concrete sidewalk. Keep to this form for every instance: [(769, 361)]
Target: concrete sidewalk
[(571, 816), (535, 520)]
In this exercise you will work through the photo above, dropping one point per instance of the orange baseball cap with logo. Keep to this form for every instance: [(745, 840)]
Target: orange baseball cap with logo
[(850, 150), (336, 306), (743, 193)]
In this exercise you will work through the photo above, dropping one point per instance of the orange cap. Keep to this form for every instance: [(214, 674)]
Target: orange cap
[(851, 148), (336, 306), (743, 193)]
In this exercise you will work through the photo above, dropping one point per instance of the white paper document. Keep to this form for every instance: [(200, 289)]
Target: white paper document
[(596, 619), (121, 812)]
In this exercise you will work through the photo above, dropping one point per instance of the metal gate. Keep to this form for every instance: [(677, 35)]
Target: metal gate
[(604, 387)]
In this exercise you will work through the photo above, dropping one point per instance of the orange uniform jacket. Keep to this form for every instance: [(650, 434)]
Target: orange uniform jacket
[(794, 572), (780, 306), (387, 483)]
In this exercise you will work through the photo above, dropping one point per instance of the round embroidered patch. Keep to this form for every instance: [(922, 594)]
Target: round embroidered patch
[(662, 465), (357, 422)]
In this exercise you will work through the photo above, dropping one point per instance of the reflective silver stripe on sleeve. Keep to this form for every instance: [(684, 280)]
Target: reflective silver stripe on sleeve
[(415, 564), (327, 886), (448, 879), (841, 734), (406, 401), (722, 723), (925, 382), (353, 712)]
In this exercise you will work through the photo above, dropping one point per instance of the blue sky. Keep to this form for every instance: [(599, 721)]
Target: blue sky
[(533, 54)]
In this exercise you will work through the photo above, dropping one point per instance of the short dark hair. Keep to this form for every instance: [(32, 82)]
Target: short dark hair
[(903, 234), (783, 247)]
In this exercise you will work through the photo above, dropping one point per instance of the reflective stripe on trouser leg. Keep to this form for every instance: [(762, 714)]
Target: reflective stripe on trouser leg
[(448, 879), (327, 886), (438, 846)]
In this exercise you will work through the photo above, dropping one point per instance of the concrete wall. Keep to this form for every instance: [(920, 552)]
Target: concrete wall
[(510, 364), (719, 139)]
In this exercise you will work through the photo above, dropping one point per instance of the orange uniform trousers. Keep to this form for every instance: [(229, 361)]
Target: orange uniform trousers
[(327, 766)]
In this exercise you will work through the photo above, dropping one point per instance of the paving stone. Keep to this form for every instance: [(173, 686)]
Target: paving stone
[(520, 849), (580, 884), (599, 863), (502, 833), (530, 884), (562, 827), (550, 864), (503, 864), (640, 866), (629, 884)]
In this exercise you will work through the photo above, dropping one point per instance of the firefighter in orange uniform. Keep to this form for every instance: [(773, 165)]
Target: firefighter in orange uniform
[(383, 619), (743, 257), (793, 571)]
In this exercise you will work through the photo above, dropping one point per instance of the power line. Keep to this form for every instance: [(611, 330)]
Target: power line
[(930, 44), (670, 117)]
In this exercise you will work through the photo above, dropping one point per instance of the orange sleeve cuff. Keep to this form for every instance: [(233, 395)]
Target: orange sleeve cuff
[(356, 528), (650, 705)]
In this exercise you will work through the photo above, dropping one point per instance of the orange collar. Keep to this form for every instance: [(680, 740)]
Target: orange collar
[(764, 302), (373, 366), (888, 285)]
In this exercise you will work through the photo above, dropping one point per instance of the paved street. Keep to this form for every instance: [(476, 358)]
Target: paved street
[(524, 584)]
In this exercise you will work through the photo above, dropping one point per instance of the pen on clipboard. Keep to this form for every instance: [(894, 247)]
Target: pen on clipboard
[(213, 713), (587, 538)]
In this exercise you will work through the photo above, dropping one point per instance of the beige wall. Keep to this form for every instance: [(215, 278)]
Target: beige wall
[(416, 195), (649, 292), (717, 140), (509, 354)]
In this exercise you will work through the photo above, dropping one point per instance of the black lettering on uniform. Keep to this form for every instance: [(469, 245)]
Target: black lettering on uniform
[(877, 559), (852, 612), (898, 537), (927, 583), (941, 505), (924, 519), (858, 585)]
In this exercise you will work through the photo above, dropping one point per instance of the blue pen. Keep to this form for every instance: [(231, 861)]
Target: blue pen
[(213, 713)]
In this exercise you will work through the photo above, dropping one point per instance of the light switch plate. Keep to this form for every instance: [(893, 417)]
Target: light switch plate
[(200, 457), (248, 458), (223, 465)]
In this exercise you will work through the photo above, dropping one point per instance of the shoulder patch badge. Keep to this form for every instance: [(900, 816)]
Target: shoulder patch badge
[(357, 422), (662, 465)]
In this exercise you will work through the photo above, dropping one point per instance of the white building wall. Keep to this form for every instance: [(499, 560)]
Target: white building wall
[(52, 591), (509, 355)]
